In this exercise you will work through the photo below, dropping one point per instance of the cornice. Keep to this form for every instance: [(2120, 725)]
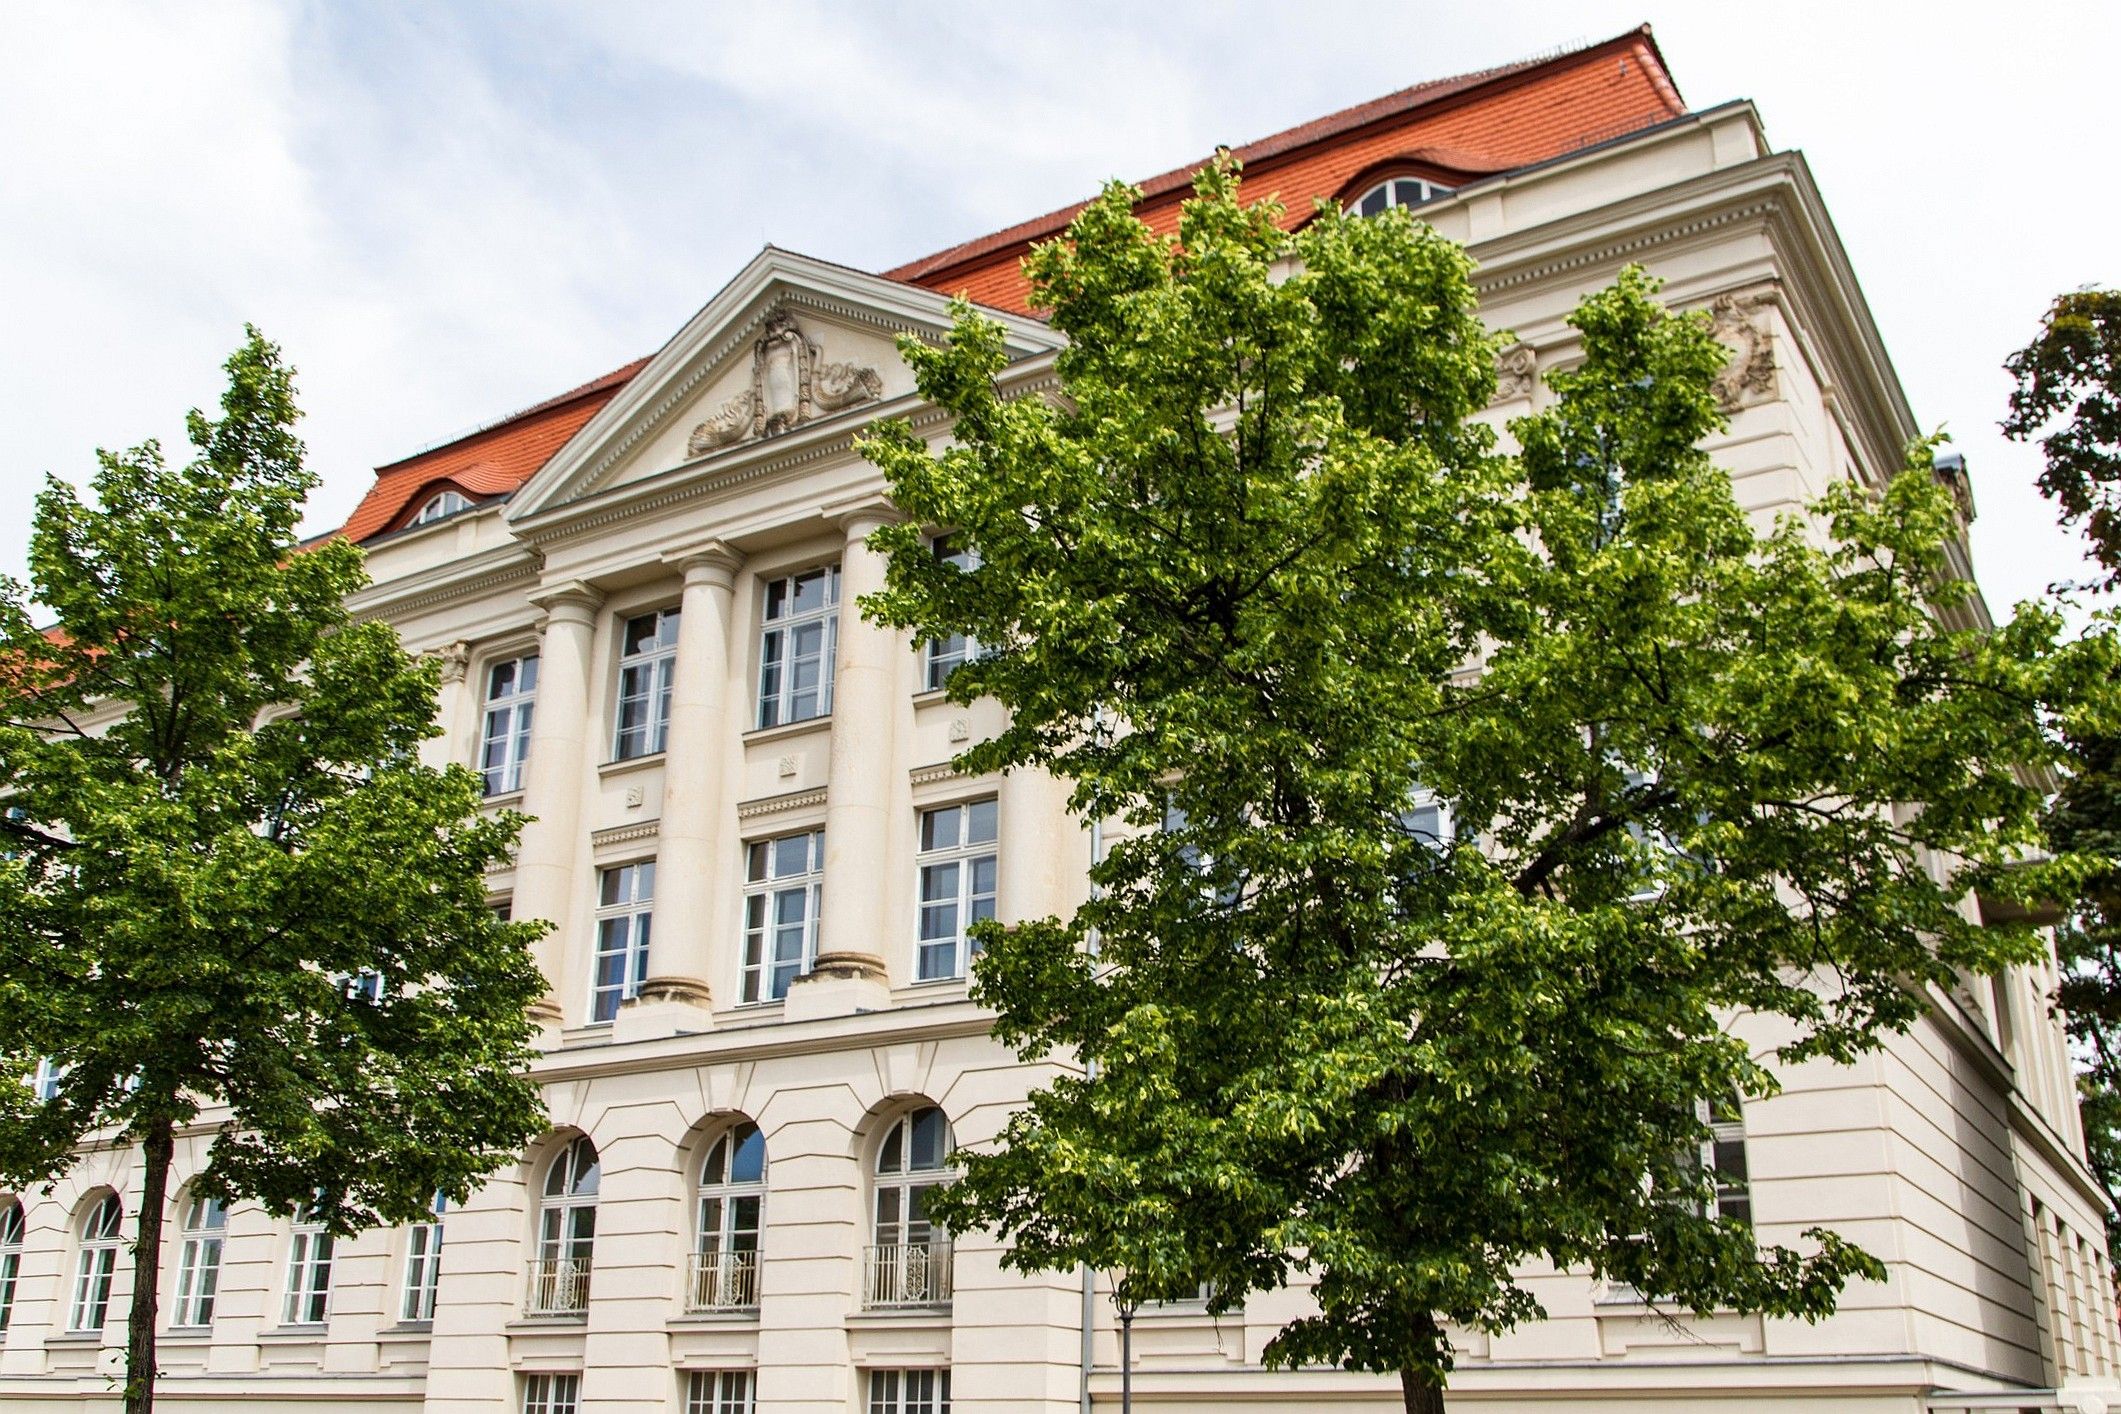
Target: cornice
[(625, 834), (776, 804), (476, 576)]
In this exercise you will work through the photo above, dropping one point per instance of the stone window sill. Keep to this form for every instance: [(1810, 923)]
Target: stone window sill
[(630, 763), (760, 735)]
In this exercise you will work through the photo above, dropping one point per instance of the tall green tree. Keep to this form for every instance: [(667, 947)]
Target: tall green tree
[(1255, 583), (231, 895), (2068, 396)]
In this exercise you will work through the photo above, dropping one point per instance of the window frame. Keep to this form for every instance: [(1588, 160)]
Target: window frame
[(311, 1248), (721, 1391), (203, 1239), (894, 1276), (567, 1220), (940, 657), (1432, 191), (965, 901), (773, 706), (421, 1283), (96, 1264), (758, 965), (14, 1240), (518, 706), (901, 1397), (551, 1392), (442, 499), (725, 1232), (655, 663), (634, 914)]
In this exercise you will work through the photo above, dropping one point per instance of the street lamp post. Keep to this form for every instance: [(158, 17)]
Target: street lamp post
[(1126, 1309)]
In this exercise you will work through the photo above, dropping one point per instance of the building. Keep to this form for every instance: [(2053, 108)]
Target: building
[(637, 590)]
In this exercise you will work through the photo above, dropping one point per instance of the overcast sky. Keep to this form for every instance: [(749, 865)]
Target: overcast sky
[(445, 213)]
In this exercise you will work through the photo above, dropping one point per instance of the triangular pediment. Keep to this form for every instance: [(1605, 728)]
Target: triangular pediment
[(790, 344)]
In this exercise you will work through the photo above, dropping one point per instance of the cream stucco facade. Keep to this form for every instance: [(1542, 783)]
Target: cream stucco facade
[(1954, 1154)]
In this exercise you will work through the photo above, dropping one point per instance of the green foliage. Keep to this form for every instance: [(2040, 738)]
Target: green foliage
[(217, 821), (2069, 382), (1253, 577)]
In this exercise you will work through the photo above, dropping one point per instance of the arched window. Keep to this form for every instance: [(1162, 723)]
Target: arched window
[(445, 503), (98, 1260), (567, 1227), (1396, 191), (309, 1253), (423, 1264), (12, 1228), (732, 1198), (204, 1231), (909, 1265)]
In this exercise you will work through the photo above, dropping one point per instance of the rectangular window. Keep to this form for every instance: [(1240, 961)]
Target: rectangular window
[(719, 1392), (648, 652), (48, 1079), (13, 1229), (551, 1394), (941, 656), (958, 867), (92, 1286), (909, 1392), (784, 882), (511, 693), (1724, 1154), (796, 648), (423, 1265), (308, 1271), (625, 898)]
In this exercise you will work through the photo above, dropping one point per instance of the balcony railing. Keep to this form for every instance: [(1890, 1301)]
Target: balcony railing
[(723, 1281), (559, 1286), (907, 1275)]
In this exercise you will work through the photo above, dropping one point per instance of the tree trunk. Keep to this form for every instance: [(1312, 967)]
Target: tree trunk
[(1422, 1395), (159, 1145)]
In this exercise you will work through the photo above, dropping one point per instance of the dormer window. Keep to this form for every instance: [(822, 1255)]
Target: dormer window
[(446, 503), (1396, 191)]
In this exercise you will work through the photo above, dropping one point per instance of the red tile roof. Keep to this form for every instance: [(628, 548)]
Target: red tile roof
[(1469, 126)]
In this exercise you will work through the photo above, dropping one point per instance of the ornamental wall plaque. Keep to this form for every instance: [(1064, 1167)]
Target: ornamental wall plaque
[(791, 384)]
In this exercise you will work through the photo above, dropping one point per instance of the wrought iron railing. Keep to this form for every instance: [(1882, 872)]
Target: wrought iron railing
[(559, 1286), (907, 1274), (723, 1281)]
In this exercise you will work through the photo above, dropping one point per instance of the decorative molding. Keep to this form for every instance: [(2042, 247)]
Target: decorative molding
[(451, 585), (625, 834), (775, 804), (1516, 374), (853, 965), (689, 990), (455, 660), (929, 775), (1739, 319)]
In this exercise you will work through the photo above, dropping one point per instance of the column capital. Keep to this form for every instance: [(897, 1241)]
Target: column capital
[(709, 562), (569, 601), (859, 515)]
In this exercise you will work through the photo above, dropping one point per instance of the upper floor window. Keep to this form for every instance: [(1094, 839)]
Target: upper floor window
[(567, 1227), (13, 1229), (784, 883), (957, 882), (204, 1233), (941, 656), (732, 1199), (48, 1079), (648, 651), (97, 1262), (1723, 1155), (909, 1392), (797, 646), (309, 1251), (423, 1265), (1396, 191), (511, 693), (445, 503), (909, 1265), (625, 903), (719, 1392), (1427, 820)]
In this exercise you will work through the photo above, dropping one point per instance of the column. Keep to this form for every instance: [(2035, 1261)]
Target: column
[(546, 885), (689, 846), (850, 974), (1042, 846)]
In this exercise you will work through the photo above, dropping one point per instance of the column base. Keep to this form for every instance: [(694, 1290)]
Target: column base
[(666, 1006), (839, 984)]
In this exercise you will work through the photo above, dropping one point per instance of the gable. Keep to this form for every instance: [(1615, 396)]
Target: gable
[(789, 344)]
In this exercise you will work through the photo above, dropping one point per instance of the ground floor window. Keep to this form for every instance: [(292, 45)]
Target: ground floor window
[(719, 1392), (551, 1394), (909, 1392)]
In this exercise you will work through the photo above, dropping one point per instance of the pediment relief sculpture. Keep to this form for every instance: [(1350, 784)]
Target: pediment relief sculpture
[(791, 384)]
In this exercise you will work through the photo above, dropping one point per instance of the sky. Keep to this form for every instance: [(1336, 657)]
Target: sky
[(444, 213)]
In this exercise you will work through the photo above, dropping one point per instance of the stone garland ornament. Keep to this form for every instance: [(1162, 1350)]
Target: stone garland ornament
[(790, 385), (1738, 319), (1516, 373)]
